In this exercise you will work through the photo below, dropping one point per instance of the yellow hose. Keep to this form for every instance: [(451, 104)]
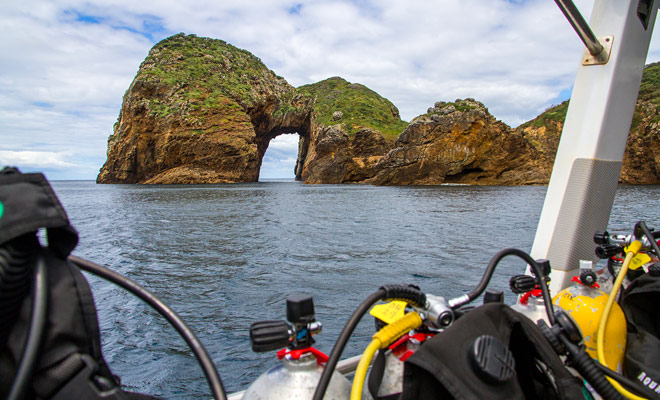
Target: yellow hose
[(361, 371), (632, 250), (382, 339)]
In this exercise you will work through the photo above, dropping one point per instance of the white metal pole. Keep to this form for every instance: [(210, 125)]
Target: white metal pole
[(588, 163)]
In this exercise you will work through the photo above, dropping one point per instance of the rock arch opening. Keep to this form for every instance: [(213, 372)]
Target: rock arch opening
[(282, 154), (279, 158)]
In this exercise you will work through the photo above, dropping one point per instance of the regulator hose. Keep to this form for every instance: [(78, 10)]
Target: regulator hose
[(35, 331), (650, 236), (408, 293), (485, 279), (586, 366), (361, 370), (628, 383), (211, 373)]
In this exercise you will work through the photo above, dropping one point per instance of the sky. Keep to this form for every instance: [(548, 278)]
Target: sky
[(65, 64)]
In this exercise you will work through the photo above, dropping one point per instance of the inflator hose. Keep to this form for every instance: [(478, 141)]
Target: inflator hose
[(394, 292), (211, 373), (35, 332)]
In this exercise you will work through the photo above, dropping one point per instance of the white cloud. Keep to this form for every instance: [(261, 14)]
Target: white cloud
[(67, 63), (284, 143), (35, 159)]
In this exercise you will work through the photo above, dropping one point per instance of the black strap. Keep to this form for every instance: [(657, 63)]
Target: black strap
[(86, 384), (376, 378), (376, 374)]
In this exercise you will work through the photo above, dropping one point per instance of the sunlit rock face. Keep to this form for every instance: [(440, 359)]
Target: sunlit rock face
[(200, 110), (457, 142)]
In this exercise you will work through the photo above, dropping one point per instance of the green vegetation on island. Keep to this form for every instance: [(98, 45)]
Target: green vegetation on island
[(649, 90), (553, 114), (203, 73), (359, 107)]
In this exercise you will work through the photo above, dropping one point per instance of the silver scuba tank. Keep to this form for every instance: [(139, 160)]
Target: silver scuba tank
[(297, 379), (533, 309), (530, 301), (301, 366)]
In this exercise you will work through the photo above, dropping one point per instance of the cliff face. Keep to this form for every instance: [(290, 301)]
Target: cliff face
[(459, 143), (353, 127), (641, 159), (202, 111)]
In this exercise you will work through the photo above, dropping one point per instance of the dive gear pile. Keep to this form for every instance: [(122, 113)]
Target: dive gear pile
[(425, 346)]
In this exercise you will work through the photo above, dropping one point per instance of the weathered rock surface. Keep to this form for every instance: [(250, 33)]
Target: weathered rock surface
[(641, 159), (353, 128), (337, 157), (457, 143), (202, 111)]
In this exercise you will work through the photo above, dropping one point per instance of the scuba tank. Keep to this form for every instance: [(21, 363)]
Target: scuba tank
[(385, 380), (530, 302), (585, 303), (301, 365), (532, 307)]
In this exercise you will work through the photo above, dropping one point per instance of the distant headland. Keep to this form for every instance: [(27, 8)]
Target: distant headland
[(203, 111)]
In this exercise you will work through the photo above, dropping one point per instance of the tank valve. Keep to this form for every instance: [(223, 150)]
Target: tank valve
[(295, 334)]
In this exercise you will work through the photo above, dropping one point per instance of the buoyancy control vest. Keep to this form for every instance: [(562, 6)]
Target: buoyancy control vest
[(640, 305), (492, 352), (68, 362)]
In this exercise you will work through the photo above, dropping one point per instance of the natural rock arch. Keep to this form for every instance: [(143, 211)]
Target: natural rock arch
[(303, 144), (202, 111)]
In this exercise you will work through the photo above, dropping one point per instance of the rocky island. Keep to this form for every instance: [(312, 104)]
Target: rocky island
[(203, 111)]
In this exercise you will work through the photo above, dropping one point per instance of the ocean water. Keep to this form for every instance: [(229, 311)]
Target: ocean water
[(225, 256)]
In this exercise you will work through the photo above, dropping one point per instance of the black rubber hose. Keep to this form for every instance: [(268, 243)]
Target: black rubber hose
[(587, 367), (650, 236), (35, 332), (632, 385), (211, 373), (485, 279), (345, 334), (409, 293)]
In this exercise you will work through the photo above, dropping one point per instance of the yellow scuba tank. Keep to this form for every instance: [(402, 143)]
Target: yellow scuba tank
[(585, 303)]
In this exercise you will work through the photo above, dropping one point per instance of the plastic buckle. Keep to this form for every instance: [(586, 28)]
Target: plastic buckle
[(87, 385)]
